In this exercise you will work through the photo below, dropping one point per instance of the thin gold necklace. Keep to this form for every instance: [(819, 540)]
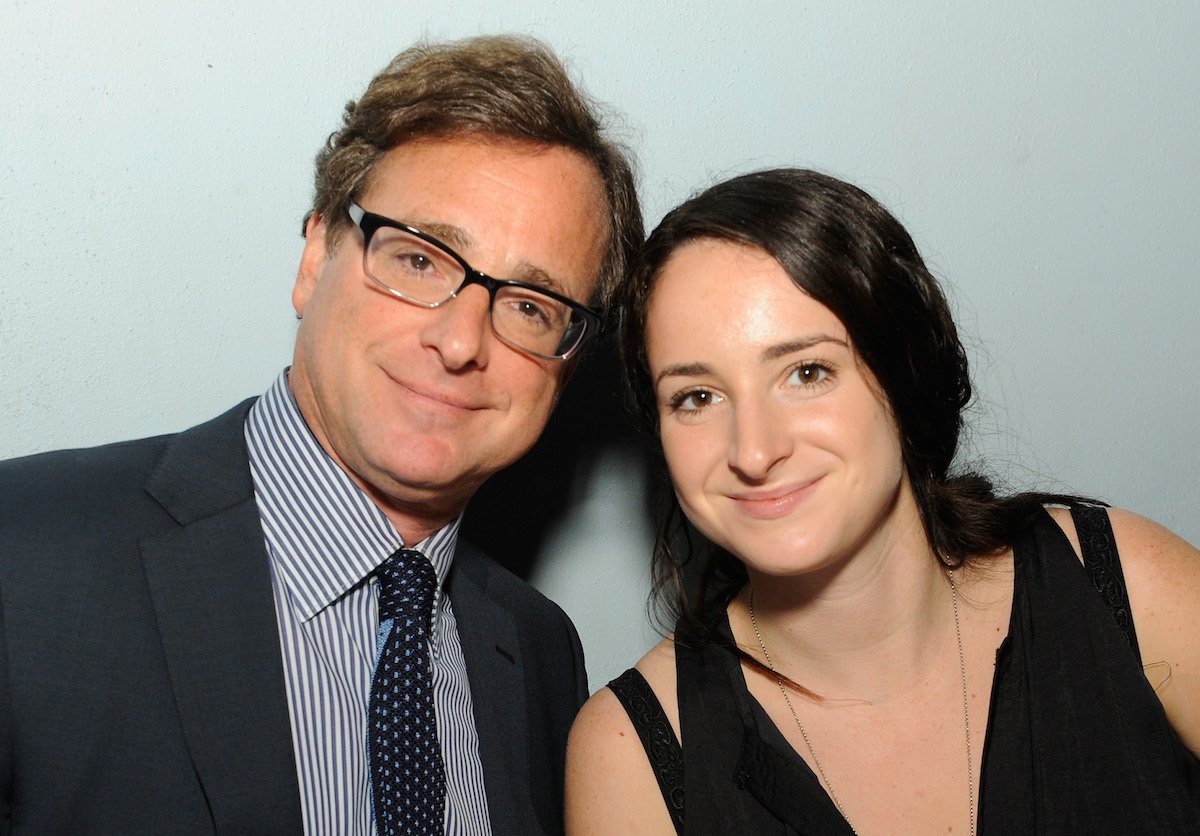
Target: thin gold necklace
[(962, 670)]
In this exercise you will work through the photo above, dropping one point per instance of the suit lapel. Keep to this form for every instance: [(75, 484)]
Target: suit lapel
[(210, 582), (492, 652)]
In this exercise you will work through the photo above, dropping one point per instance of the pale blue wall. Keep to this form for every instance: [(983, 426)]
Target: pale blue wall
[(155, 164)]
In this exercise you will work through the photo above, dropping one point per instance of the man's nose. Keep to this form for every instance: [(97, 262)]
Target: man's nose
[(461, 329)]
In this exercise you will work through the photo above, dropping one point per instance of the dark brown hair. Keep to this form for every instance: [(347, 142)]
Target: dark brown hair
[(489, 87), (846, 251)]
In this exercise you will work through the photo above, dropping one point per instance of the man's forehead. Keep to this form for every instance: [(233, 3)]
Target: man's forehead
[(484, 157)]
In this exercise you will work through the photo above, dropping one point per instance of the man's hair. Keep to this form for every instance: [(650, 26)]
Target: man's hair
[(489, 87)]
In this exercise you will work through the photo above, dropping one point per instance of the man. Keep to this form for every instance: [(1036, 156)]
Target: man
[(191, 623)]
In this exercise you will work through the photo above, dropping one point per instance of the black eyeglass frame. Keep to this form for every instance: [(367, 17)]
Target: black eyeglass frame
[(369, 223)]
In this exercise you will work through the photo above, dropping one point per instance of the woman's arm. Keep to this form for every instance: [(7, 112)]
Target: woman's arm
[(1162, 577), (610, 787)]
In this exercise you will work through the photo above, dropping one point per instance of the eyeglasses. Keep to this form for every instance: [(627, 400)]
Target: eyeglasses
[(418, 268)]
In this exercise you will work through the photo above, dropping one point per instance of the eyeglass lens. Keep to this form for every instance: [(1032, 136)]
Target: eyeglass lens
[(421, 272)]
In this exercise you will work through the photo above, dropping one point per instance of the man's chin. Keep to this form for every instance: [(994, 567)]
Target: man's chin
[(433, 488)]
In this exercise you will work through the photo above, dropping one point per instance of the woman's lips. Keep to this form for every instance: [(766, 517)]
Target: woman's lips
[(772, 503)]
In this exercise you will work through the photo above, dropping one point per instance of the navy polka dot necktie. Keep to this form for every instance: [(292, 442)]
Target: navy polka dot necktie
[(408, 781)]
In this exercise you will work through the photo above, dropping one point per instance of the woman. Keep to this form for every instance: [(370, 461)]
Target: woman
[(864, 642)]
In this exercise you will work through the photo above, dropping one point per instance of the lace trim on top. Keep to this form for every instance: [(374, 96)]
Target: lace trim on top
[(658, 738), (1099, 549)]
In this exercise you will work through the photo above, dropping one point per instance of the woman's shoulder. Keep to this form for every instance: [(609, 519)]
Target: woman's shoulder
[(611, 787), (1162, 578), (603, 716), (605, 711)]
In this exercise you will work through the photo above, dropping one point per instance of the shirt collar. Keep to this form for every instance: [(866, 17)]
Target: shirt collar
[(326, 536)]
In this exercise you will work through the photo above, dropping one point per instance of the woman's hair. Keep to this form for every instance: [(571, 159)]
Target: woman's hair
[(842, 248), (488, 87)]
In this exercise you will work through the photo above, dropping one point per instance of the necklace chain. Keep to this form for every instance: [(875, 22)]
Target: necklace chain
[(962, 670)]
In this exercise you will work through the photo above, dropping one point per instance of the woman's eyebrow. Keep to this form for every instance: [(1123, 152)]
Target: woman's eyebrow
[(771, 352), (774, 352), (682, 370)]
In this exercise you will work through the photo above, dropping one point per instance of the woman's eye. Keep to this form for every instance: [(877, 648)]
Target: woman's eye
[(694, 400), (809, 374)]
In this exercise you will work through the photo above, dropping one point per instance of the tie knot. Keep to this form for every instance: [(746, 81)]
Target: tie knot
[(407, 583)]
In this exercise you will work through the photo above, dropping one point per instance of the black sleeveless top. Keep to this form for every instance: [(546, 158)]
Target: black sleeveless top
[(1077, 741)]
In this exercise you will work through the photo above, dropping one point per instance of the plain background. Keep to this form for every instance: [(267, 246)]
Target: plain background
[(155, 164)]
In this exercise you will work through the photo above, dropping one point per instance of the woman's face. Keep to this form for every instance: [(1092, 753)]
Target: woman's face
[(779, 447)]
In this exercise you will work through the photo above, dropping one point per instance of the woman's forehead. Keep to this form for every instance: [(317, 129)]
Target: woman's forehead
[(722, 287)]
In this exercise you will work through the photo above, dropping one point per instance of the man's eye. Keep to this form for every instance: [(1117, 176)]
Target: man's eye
[(416, 262), (531, 310)]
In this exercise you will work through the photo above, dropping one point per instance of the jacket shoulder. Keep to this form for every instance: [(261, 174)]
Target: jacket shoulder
[(99, 489), (94, 477)]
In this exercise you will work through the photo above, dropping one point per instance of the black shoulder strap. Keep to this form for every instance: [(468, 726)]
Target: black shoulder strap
[(1099, 549), (658, 738)]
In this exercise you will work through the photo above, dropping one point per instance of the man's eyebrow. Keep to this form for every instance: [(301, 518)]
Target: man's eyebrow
[(455, 237), (459, 239), (537, 276)]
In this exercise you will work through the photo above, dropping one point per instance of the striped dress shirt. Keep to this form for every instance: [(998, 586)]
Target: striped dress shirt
[(325, 539)]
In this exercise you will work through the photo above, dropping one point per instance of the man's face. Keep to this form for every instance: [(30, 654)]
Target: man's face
[(419, 406)]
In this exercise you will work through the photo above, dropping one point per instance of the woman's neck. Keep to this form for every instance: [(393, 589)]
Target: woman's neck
[(864, 629)]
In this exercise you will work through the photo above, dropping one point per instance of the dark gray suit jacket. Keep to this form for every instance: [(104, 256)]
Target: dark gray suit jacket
[(141, 683)]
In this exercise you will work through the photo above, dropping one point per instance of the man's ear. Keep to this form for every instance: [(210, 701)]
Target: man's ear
[(312, 260)]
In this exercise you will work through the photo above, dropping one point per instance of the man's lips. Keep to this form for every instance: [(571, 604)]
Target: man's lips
[(438, 397), (774, 502)]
